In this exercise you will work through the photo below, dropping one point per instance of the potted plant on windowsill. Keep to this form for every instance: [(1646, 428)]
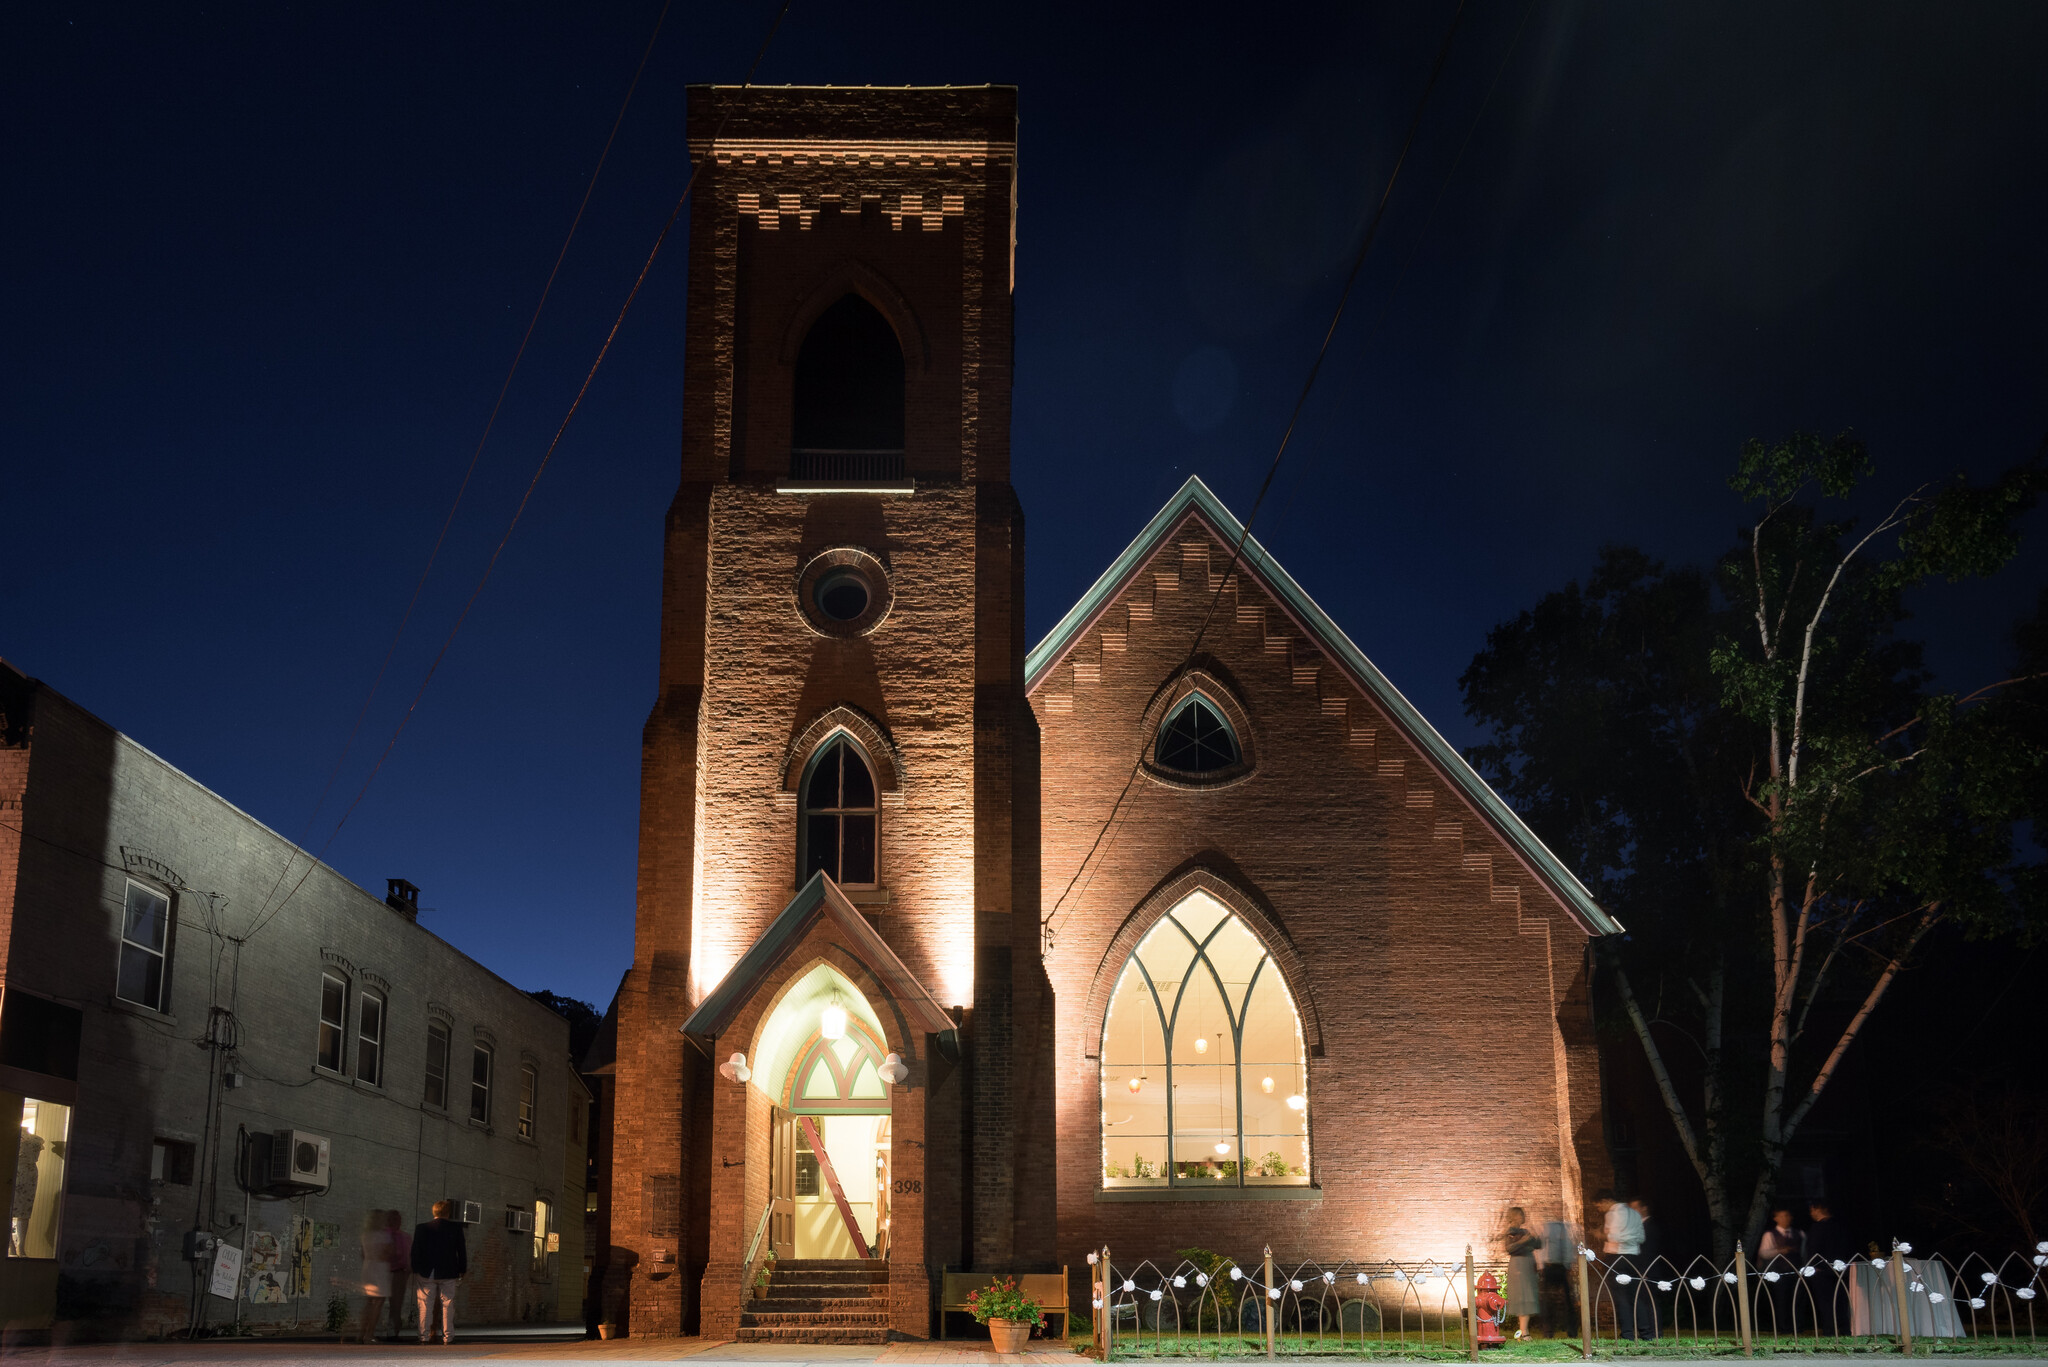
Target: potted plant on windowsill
[(1009, 1314)]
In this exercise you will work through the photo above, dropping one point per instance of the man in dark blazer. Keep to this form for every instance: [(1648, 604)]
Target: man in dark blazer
[(440, 1255), (1827, 1243)]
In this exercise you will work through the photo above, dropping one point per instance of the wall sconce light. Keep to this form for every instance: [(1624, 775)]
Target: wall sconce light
[(894, 1070), (735, 1068), (832, 1022)]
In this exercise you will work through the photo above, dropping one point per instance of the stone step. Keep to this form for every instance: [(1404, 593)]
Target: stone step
[(820, 1334), (833, 1264), (818, 1305), (801, 1319)]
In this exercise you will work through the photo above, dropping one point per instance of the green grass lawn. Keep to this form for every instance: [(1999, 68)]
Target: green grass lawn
[(1558, 1350)]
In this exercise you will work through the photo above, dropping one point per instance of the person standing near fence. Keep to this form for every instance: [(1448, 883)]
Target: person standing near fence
[(1646, 1259), (1523, 1296), (1622, 1229), (440, 1255), (1828, 1242), (1778, 1251)]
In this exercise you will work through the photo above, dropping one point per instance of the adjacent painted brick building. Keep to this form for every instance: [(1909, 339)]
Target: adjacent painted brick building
[(153, 1016), (1183, 928)]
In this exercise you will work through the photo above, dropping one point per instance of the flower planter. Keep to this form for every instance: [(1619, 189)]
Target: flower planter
[(604, 1331), (1009, 1336)]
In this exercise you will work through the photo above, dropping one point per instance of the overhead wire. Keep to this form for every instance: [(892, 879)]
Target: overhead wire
[(1050, 924), (540, 469), (490, 423), (1386, 300)]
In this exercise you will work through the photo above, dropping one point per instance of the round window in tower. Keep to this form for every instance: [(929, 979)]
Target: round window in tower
[(842, 595), (844, 592)]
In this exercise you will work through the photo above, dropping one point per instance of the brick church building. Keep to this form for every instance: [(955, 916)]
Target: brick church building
[(953, 954)]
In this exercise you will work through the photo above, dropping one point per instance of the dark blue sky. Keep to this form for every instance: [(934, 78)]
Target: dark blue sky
[(265, 267)]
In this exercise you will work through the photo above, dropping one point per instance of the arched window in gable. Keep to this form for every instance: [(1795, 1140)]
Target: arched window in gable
[(838, 829), (1195, 738), (1204, 1073), (847, 421)]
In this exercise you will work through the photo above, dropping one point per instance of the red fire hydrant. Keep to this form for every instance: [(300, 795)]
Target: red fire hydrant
[(1488, 1312)]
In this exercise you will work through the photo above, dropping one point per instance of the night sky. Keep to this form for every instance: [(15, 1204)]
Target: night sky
[(265, 267)]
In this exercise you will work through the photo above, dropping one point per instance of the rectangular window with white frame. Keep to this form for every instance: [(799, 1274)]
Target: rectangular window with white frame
[(145, 977), (370, 1014), (480, 1084), (529, 1089), (437, 1065), (333, 1021)]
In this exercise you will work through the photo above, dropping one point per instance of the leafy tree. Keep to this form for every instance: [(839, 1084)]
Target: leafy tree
[(1752, 771)]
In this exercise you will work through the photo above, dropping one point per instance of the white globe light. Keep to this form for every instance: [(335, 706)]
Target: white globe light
[(1297, 1102), (1222, 1147), (1201, 1044), (1361, 1279), (1179, 1282), (1294, 1285), (1201, 1279), (1266, 1085), (1237, 1274), (832, 1022), (894, 1069)]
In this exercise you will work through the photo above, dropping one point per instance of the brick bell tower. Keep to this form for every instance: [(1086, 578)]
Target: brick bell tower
[(844, 565)]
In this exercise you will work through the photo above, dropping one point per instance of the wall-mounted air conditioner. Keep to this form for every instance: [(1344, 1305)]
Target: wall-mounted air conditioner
[(298, 1159), (472, 1212), (518, 1221)]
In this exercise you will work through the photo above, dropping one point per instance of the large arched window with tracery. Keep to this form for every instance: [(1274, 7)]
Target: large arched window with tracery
[(1204, 1076)]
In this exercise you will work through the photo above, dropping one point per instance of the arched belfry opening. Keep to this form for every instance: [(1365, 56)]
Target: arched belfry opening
[(821, 1052), (847, 420)]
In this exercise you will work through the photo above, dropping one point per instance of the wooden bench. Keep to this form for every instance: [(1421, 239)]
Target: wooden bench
[(1049, 1289)]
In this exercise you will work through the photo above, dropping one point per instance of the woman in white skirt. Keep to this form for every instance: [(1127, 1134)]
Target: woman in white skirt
[(1522, 1296), (376, 1271)]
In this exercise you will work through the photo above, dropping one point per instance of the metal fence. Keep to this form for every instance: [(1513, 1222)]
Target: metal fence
[(1320, 1305)]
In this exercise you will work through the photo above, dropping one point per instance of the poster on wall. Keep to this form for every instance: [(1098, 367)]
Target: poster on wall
[(227, 1270), (266, 1285)]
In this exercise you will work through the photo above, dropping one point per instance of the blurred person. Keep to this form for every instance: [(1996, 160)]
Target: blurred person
[(1828, 1242), (376, 1279), (401, 1269), (1622, 1234), (1779, 1251), (1653, 1248)]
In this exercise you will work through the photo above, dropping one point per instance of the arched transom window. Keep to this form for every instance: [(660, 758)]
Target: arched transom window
[(1204, 1078), (838, 828)]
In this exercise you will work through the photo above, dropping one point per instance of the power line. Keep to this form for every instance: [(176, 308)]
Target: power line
[(1422, 232), (604, 350), (489, 424), (1050, 925)]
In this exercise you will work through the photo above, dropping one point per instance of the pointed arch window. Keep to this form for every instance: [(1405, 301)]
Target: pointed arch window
[(847, 421), (1204, 1074), (838, 829), (1195, 738)]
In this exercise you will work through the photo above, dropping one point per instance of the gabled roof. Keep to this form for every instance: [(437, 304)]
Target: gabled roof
[(1195, 499), (819, 899)]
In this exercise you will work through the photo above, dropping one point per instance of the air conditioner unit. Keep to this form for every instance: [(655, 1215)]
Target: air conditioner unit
[(519, 1221), (298, 1159), (472, 1212)]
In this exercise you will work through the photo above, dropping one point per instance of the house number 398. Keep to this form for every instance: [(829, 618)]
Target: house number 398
[(910, 1185)]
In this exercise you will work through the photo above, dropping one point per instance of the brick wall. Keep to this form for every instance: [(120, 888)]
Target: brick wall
[(98, 809), (1431, 969)]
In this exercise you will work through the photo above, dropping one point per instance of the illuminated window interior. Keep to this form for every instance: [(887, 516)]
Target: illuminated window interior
[(1204, 1076)]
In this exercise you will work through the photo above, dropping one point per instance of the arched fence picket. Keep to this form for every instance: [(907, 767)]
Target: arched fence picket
[(1358, 1305)]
